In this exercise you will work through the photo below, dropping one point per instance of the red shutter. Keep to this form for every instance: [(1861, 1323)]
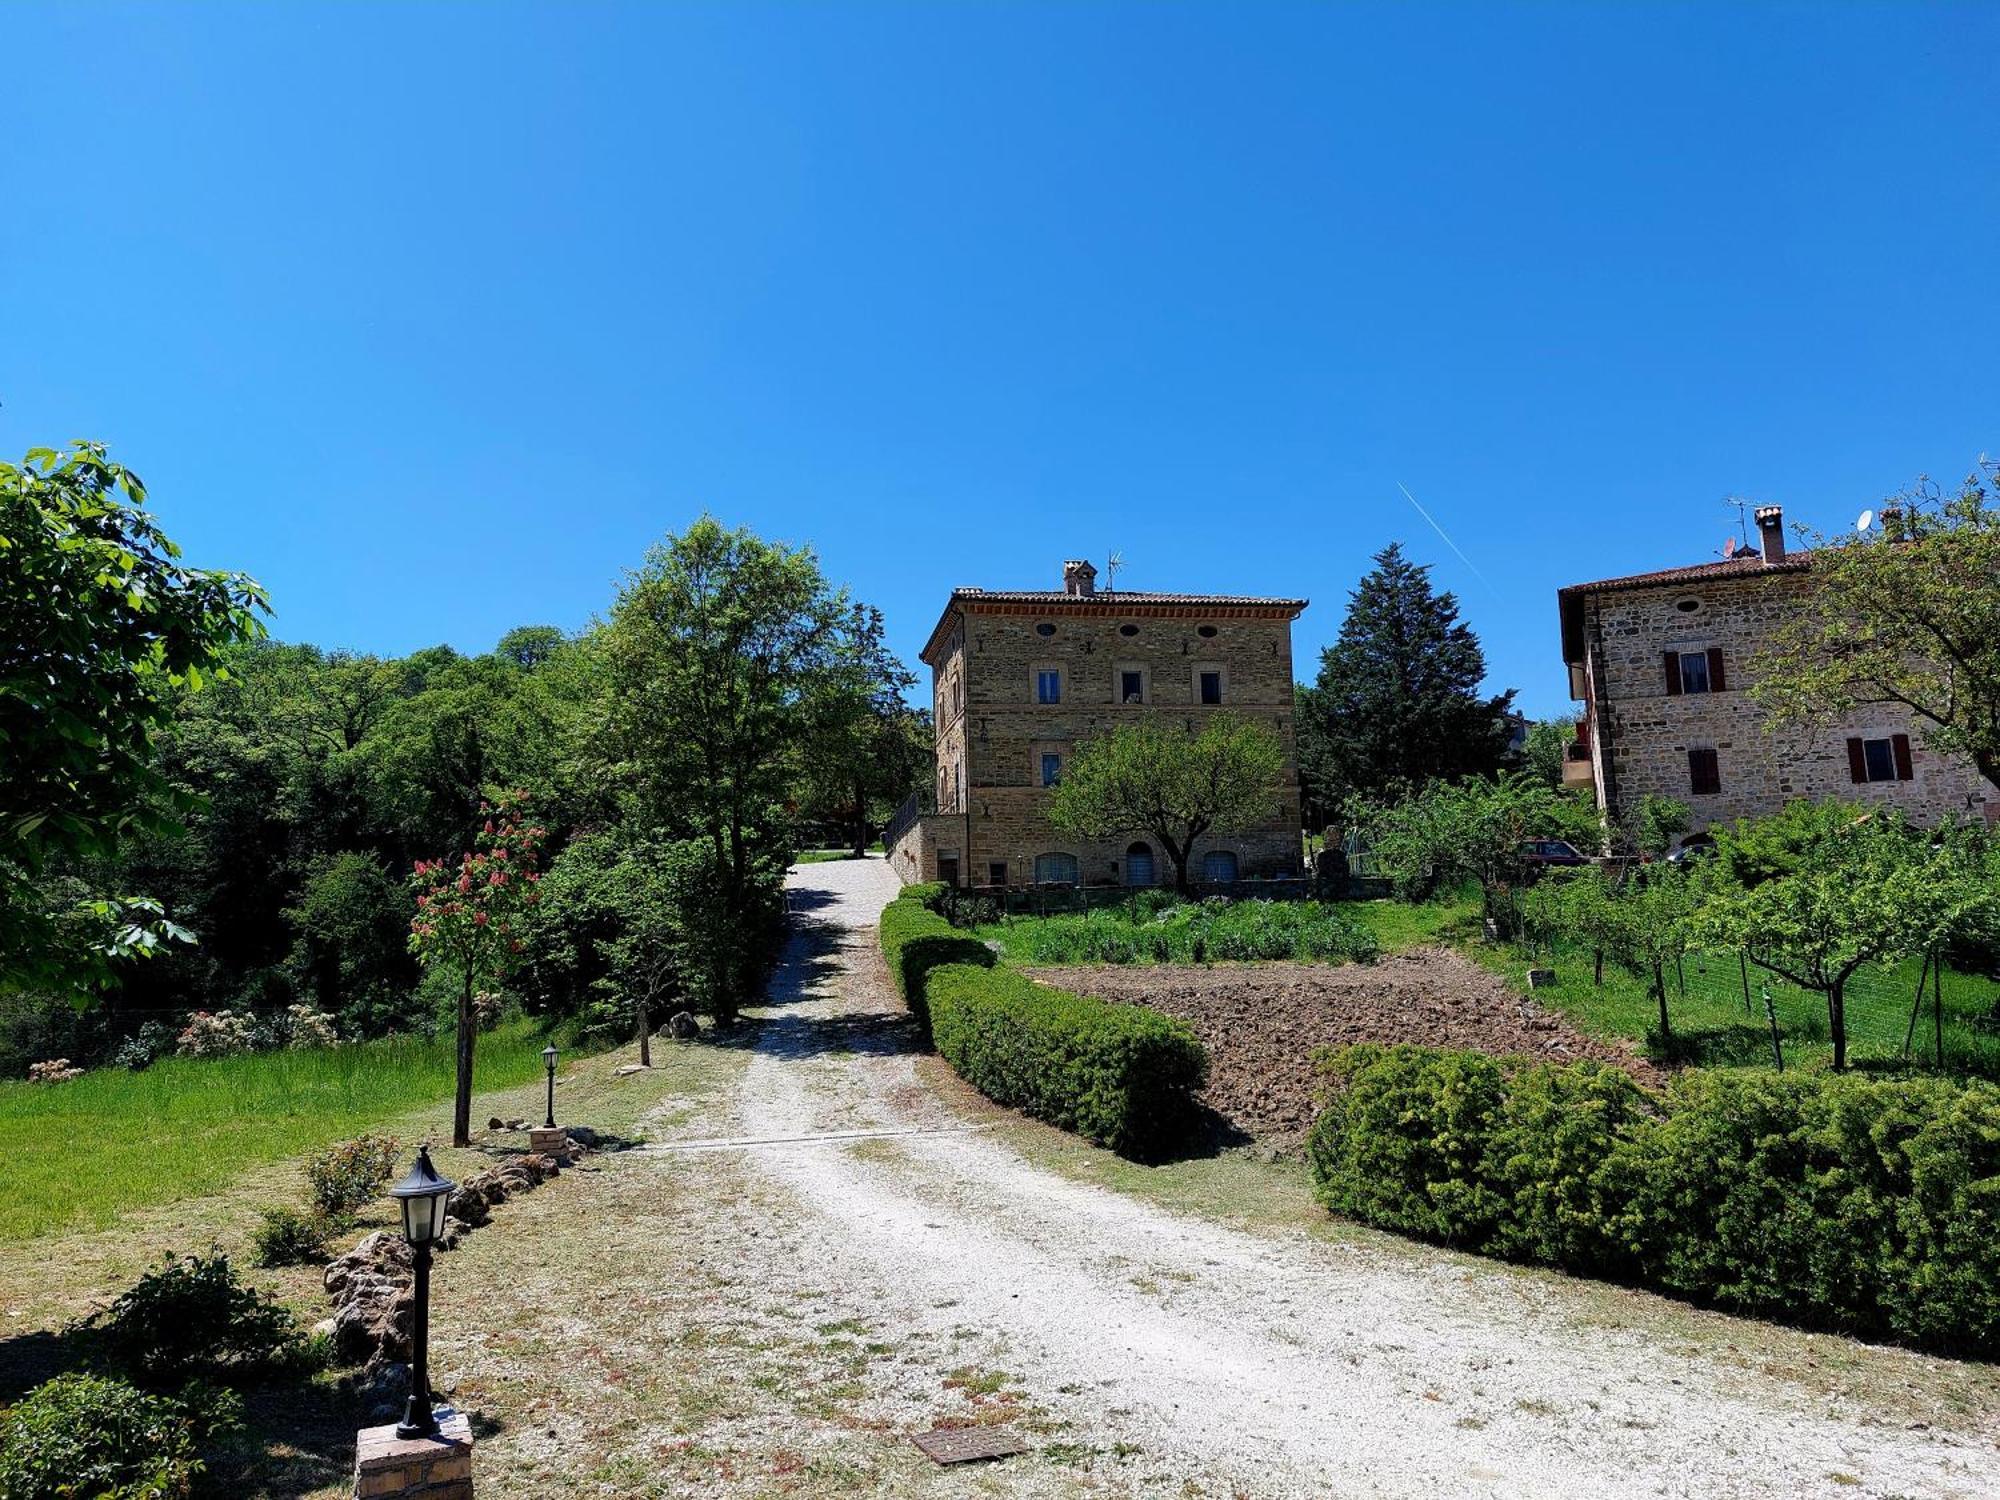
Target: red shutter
[(1715, 682), (1857, 762), (1901, 744), (1673, 674)]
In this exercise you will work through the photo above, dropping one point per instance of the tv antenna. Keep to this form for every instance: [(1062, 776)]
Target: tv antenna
[(1111, 568), (1742, 508), (1990, 465)]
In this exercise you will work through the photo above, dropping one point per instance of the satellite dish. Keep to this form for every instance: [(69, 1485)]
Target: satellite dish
[(1729, 549), (1867, 519)]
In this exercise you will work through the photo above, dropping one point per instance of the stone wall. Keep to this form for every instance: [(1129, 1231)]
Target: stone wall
[(992, 724), (1643, 733)]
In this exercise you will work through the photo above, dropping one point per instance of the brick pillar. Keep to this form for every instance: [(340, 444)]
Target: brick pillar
[(550, 1140), (387, 1467)]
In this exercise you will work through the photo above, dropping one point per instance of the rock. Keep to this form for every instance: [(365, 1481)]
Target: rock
[(630, 1068), (583, 1136), (376, 1318), (467, 1205), (381, 1387), (496, 1123), (1541, 979), (454, 1230), (684, 1026)]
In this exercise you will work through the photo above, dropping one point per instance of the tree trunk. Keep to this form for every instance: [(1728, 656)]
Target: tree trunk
[(1183, 884), (461, 1107), (861, 822), (645, 1032), (1660, 993), (1836, 1019), (1597, 972)]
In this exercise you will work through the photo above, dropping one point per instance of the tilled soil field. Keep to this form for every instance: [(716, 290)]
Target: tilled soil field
[(1262, 1022)]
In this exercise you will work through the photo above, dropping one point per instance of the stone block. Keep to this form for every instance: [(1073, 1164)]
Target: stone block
[(550, 1141), (387, 1467)]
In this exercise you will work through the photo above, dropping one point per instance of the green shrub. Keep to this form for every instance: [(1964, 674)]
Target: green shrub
[(1866, 1205), (84, 1435), (1403, 1141), (286, 1237), (347, 1174), (1119, 1074), (1200, 932), (916, 940), (190, 1317)]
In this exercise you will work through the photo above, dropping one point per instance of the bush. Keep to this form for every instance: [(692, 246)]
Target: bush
[(345, 1176), (190, 1317), (144, 1047), (217, 1034), (915, 940), (1119, 1074), (1871, 1206), (286, 1237), (1202, 932), (54, 1070), (84, 1435)]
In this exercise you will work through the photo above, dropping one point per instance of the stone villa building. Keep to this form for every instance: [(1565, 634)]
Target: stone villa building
[(1020, 677), (1661, 662)]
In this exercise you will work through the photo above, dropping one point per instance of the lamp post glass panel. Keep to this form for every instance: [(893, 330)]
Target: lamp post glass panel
[(422, 1197), (549, 1060)]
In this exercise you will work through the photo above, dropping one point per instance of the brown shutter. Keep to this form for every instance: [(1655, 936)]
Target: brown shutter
[(1704, 773), (1901, 744), (1673, 674), (1857, 762), (1715, 682)]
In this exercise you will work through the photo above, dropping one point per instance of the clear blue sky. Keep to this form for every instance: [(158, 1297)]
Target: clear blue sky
[(434, 317)]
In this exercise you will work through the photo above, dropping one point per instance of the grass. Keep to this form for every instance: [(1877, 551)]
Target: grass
[(78, 1154), (1712, 1026), (823, 856)]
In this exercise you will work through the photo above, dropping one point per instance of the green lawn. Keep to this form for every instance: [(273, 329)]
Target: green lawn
[(823, 856), (74, 1155)]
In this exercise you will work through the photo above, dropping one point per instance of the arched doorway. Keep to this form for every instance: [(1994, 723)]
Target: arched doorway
[(1218, 866), (1139, 864), (1055, 869)]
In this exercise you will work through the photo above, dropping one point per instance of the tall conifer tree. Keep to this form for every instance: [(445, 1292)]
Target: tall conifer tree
[(1397, 701)]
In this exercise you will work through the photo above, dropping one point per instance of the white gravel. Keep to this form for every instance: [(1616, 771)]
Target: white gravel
[(1264, 1363)]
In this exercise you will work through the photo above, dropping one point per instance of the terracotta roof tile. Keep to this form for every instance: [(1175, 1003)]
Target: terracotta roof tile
[(1111, 597), (1734, 567)]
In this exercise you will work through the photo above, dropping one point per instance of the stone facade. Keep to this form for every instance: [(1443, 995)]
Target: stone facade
[(1019, 679), (1691, 729)]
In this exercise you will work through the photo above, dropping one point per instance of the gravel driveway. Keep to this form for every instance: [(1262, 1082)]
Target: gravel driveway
[(1217, 1360)]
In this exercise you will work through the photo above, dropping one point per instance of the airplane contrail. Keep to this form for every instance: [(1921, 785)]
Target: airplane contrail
[(1447, 540)]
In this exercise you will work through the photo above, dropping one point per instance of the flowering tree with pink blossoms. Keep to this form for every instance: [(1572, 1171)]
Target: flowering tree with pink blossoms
[(468, 919)]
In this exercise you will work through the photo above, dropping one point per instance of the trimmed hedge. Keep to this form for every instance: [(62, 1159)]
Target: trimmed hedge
[(916, 940), (1869, 1206), (1121, 1075)]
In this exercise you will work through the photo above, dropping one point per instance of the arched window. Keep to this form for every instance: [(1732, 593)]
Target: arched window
[(1218, 866), (1055, 869), (1139, 864)]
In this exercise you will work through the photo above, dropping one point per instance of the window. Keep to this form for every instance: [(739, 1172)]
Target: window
[(1704, 773), (1687, 606), (1051, 768), (1131, 685), (948, 867), (1046, 628), (1210, 687), (1695, 672), (996, 872), (1881, 758), (1128, 631), (1055, 869), (1206, 632), (1048, 684), (1218, 866)]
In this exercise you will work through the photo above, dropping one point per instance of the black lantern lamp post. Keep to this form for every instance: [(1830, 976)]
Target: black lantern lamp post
[(422, 1197), (549, 1061)]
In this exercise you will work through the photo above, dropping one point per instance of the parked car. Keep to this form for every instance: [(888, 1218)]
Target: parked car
[(1696, 846), (1542, 854)]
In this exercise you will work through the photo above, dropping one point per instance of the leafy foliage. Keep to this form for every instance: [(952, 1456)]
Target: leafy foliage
[(286, 1237), (345, 1176), (1152, 777), (191, 1317), (1199, 932), (1397, 700), (915, 940), (1858, 1204), (81, 1435), (1122, 1075), (1910, 615), (101, 629), (1474, 829)]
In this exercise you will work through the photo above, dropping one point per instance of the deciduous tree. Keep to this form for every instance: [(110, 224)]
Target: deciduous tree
[(1153, 777)]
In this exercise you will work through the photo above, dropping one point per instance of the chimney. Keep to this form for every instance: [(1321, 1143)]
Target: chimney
[(1079, 577), (1771, 532)]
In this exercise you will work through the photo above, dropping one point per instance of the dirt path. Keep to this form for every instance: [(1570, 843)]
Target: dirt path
[(1230, 1361)]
